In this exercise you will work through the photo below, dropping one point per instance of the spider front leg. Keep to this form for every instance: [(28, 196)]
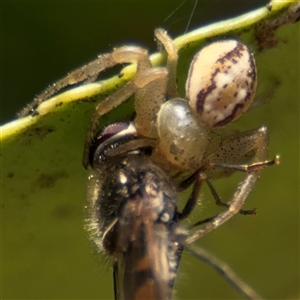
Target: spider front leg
[(228, 158), (88, 73)]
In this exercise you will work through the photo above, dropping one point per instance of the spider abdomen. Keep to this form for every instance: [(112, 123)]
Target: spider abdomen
[(222, 82)]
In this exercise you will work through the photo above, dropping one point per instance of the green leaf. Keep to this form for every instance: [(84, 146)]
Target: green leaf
[(44, 251)]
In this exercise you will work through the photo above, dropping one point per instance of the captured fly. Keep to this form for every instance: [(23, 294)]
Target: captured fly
[(133, 216)]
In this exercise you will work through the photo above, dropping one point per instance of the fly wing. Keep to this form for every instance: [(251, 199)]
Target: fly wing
[(131, 217), (143, 272), (146, 263)]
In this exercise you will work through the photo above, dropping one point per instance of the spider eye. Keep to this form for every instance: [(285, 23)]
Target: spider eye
[(221, 82), (109, 138)]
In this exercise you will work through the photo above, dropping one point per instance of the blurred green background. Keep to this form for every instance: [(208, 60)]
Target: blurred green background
[(51, 258)]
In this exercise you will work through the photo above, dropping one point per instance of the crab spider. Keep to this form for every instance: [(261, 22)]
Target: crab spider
[(132, 195), (220, 87), (178, 131)]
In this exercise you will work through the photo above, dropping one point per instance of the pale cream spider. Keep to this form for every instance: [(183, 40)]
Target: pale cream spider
[(132, 192), (132, 195), (220, 87)]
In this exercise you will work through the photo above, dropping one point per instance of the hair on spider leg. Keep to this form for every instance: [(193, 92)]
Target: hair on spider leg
[(85, 74)]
